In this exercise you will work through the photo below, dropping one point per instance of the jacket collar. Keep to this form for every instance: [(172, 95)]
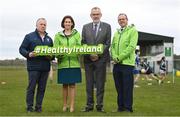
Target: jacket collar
[(61, 33), (39, 35), (125, 28)]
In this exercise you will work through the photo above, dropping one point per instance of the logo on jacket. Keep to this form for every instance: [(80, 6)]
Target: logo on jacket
[(48, 39)]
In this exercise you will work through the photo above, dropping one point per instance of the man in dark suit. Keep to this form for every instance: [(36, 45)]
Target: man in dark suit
[(95, 33), (38, 66)]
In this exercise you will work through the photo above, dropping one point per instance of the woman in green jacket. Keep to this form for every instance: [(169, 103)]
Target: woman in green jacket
[(69, 72)]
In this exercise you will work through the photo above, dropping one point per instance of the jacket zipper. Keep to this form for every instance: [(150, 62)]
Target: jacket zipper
[(68, 46), (68, 56), (118, 44)]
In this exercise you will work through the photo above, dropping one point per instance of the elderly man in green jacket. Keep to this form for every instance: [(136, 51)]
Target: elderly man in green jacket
[(123, 55)]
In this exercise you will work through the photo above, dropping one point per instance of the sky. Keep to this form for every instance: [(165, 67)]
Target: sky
[(18, 18)]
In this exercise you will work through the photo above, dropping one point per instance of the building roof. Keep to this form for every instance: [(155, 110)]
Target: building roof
[(143, 36)]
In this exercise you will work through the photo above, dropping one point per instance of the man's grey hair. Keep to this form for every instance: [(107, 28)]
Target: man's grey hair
[(40, 19), (95, 8)]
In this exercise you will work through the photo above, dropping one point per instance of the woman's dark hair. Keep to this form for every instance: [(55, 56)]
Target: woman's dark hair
[(63, 20)]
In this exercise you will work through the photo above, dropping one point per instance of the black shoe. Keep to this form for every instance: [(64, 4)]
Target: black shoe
[(120, 110), (101, 110), (39, 110), (87, 109), (30, 109), (129, 110)]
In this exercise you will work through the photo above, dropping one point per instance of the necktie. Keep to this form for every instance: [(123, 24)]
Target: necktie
[(95, 30)]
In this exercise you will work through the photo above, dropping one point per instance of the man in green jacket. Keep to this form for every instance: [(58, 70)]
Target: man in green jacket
[(123, 55)]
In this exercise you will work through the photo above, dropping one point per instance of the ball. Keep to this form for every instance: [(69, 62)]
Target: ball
[(143, 71)]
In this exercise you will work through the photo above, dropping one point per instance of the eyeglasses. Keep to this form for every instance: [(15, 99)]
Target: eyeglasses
[(122, 19), (95, 14)]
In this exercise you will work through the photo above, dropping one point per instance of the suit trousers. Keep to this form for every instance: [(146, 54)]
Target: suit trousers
[(124, 81), (95, 71)]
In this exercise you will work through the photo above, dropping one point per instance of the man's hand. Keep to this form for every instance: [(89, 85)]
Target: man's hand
[(32, 54), (94, 57), (49, 57), (115, 61)]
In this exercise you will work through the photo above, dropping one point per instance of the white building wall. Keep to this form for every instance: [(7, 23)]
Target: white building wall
[(169, 58)]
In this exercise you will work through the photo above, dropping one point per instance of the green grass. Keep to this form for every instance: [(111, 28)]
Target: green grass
[(151, 100)]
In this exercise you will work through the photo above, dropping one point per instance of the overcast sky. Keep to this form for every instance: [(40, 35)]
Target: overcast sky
[(18, 17)]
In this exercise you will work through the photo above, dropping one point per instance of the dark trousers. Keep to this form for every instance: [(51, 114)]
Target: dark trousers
[(95, 71), (36, 78), (124, 81)]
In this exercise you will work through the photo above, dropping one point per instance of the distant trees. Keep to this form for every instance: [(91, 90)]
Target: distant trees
[(13, 62)]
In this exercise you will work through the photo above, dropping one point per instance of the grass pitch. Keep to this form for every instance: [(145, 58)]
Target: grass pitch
[(149, 100)]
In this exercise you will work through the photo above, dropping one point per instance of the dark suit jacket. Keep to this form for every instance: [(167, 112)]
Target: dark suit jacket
[(103, 37), (31, 40)]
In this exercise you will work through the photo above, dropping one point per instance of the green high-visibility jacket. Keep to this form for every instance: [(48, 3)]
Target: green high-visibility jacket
[(65, 61), (123, 45)]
